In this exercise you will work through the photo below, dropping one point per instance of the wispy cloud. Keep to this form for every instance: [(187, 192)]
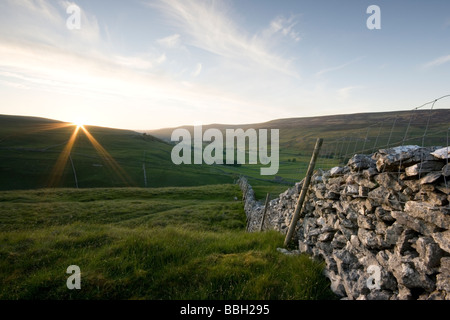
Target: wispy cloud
[(283, 26), (172, 41), (68, 75), (437, 62), (336, 68), (198, 70), (344, 93), (209, 26)]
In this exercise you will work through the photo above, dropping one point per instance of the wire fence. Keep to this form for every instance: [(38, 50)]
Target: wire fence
[(424, 126), (421, 131)]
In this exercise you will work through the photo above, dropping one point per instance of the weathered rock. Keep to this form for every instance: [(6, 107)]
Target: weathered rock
[(424, 167), (439, 216), (443, 278), (443, 282), (337, 285), (416, 224), (339, 241), (380, 195), (392, 234), (443, 153), (431, 177), (365, 222), (446, 170), (368, 238), (414, 185), (436, 295), (429, 253), (444, 189), (399, 158), (434, 199), (442, 239), (383, 215), (336, 171), (351, 190), (327, 236), (408, 276), (389, 181), (360, 162)]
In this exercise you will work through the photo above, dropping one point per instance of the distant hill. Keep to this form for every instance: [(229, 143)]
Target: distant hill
[(300, 133), (30, 147)]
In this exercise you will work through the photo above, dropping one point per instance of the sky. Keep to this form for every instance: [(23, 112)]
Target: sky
[(149, 64)]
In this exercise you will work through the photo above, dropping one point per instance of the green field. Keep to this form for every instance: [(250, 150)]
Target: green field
[(30, 147), (153, 243)]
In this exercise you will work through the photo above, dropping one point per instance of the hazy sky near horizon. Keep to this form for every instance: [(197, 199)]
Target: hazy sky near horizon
[(148, 64)]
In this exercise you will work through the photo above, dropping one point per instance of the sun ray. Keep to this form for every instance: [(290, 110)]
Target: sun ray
[(108, 158), (58, 169), (52, 126), (60, 165)]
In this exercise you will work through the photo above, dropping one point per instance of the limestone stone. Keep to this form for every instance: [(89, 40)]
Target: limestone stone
[(413, 185), (435, 199), (335, 171), (360, 162), (408, 276), (431, 177), (446, 170), (424, 167), (365, 222), (398, 158), (439, 216), (436, 295), (443, 282), (383, 214), (429, 252), (388, 181), (339, 241), (336, 285), (416, 224), (368, 238), (393, 233), (443, 153), (443, 240), (379, 196), (327, 236)]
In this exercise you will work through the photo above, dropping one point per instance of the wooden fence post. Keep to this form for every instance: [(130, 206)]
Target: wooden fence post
[(301, 198), (264, 213)]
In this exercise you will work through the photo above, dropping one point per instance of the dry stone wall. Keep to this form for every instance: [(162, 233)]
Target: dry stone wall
[(381, 223)]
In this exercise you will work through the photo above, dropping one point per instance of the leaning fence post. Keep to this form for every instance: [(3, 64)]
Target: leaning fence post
[(301, 198), (264, 213)]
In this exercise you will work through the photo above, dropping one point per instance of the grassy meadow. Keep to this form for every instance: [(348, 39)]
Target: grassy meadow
[(140, 227), (136, 243)]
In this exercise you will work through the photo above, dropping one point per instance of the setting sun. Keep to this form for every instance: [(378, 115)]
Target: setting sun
[(79, 123)]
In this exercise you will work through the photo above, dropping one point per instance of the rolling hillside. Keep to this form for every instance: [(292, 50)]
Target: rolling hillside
[(30, 148), (361, 133), (297, 135)]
